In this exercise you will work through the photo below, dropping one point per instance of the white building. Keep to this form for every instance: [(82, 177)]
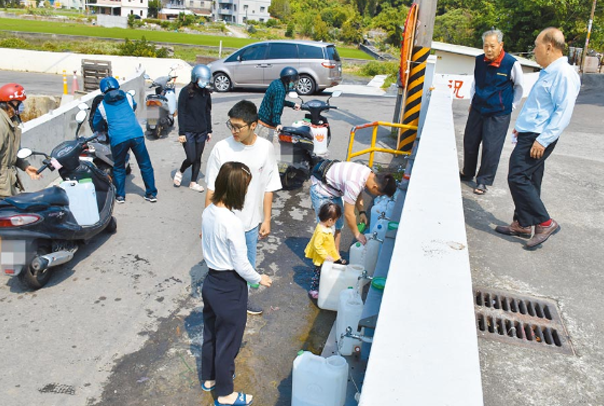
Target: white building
[(123, 8), (241, 11), (460, 60)]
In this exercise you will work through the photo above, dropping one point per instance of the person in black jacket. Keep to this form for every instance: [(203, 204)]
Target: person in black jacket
[(194, 123)]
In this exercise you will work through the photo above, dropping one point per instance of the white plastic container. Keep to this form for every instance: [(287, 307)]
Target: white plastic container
[(349, 314), (365, 255), (380, 228), (320, 140), (378, 209), (334, 279), (82, 201), (319, 381)]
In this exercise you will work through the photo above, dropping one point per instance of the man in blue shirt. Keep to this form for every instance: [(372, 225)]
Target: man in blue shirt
[(125, 133), (496, 91), (545, 115), (273, 102)]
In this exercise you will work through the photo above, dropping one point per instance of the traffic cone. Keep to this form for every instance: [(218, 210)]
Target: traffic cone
[(65, 82), (74, 86)]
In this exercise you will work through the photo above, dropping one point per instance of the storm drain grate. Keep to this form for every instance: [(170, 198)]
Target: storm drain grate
[(521, 320), (58, 388)]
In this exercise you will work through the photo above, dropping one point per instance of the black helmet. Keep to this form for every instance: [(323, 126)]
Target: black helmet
[(289, 77)]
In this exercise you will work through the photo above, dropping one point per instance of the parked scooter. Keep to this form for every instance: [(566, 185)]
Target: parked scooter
[(305, 142), (44, 229), (161, 105)]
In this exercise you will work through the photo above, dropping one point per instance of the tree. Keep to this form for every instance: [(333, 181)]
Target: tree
[(351, 32), (391, 20), (321, 30), (454, 27), (280, 9), (154, 8), (289, 32)]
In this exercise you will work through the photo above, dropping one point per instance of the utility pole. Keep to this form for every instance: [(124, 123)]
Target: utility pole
[(421, 50), (591, 20)]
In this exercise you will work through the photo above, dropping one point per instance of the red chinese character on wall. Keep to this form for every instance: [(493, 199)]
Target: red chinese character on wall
[(456, 86)]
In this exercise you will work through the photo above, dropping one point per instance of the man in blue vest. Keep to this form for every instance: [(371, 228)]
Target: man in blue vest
[(496, 91), (125, 133)]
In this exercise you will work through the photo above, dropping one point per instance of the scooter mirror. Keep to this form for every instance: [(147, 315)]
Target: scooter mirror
[(147, 77), (81, 116), (337, 93), (132, 92), (293, 95), (24, 153), (83, 106)]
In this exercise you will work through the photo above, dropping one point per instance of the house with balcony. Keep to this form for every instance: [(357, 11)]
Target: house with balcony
[(241, 11)]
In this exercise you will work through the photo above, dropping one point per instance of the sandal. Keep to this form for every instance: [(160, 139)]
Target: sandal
[(240, 401), (210, 388), (481, 189), (196, 187), (177, 178)]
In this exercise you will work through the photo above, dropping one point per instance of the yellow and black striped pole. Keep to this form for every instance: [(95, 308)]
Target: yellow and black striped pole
[(413, 101)]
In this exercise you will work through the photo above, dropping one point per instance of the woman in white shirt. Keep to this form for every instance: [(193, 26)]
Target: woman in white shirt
[(225, 290)]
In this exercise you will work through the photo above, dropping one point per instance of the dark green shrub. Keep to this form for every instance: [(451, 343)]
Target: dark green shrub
[(273, 22), (16, 43), (289, 32)]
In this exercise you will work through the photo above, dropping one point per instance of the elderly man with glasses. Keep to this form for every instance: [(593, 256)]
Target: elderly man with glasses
[(259, 155)]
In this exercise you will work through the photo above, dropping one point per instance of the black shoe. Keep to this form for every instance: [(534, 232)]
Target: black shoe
[(465, 178), (253, 309), (151, 198)]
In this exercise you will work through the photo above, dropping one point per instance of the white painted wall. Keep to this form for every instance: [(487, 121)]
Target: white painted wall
[(55, 62), (425, 349), (460, 85), (106, 20)]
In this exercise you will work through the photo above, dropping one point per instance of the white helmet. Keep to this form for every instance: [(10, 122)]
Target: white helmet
[(201, 75)]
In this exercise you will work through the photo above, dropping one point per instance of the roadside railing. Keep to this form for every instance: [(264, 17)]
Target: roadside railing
[(373, 148)]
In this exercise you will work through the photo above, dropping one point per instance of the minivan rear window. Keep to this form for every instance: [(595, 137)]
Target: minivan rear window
[(310, 52), (332, 53), (282, 51)]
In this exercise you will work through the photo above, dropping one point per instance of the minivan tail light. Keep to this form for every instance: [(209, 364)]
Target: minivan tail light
[(328, 65), (19, 220)]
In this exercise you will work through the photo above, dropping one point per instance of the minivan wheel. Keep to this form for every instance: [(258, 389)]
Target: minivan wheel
[(306, 85), (222, 83)]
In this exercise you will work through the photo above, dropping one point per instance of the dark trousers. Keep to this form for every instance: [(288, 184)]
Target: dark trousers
[(224, 315), (490, 131), (120, 151), (524, 178), (194, 147)]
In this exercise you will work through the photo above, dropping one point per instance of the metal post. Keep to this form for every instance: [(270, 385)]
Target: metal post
[(591, 20)]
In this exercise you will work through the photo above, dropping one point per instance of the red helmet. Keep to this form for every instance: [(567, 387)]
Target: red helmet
[(12, 91)]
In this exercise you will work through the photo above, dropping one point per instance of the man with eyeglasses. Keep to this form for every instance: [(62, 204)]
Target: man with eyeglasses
[(12, 97), (258, 154)]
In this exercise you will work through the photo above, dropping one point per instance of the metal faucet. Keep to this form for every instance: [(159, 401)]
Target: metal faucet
[(365, 275), (374, 237), (360, 337)]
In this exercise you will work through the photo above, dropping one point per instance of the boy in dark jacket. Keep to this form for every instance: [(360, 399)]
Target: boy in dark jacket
[(273, 102)]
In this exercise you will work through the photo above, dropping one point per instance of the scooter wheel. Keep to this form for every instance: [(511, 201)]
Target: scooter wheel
[(157, 132), (36, 279), (111, 226)]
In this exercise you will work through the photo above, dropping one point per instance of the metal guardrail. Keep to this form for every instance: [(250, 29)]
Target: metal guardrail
[(373, 149)]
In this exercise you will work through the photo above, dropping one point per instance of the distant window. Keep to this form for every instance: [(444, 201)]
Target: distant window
[(245, 6), (262, 9), (141, 12), (234, 7), (190, 3), (131, 11), (262, 20), (310, 52), (282, 51)]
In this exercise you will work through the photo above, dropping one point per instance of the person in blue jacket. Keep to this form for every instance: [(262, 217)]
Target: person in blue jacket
[(125, 133)]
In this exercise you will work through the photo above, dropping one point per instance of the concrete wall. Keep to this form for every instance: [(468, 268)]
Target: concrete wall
[(456, 64), (55, 62), (105, 20), (46, 132), (425, 347), (460, 84)]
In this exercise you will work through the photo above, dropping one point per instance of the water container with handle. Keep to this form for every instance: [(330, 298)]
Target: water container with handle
[(349, 314), (356, 254), (378, 209), (372, 249), (82, 201), (319, 381), (334, 279)]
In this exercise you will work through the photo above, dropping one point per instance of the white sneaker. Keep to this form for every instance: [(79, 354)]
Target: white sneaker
[(196, 187)]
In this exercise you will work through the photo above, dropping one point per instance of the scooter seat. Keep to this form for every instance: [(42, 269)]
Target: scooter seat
[(157, 96), (303, 131), (54, 196)]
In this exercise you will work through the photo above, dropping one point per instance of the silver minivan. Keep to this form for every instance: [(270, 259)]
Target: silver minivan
[(258, 64)]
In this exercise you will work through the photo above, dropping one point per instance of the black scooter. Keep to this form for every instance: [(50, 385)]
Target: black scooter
[(303, 146), (38, 231)]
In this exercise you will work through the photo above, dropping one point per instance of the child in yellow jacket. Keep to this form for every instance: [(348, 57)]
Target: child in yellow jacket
[(322, 246)]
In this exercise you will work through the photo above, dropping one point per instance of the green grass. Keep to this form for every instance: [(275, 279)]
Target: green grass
[(19, 25)]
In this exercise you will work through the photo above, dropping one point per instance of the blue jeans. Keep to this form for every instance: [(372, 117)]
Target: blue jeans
[(251, 240), (120, 151), (318, 200)]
